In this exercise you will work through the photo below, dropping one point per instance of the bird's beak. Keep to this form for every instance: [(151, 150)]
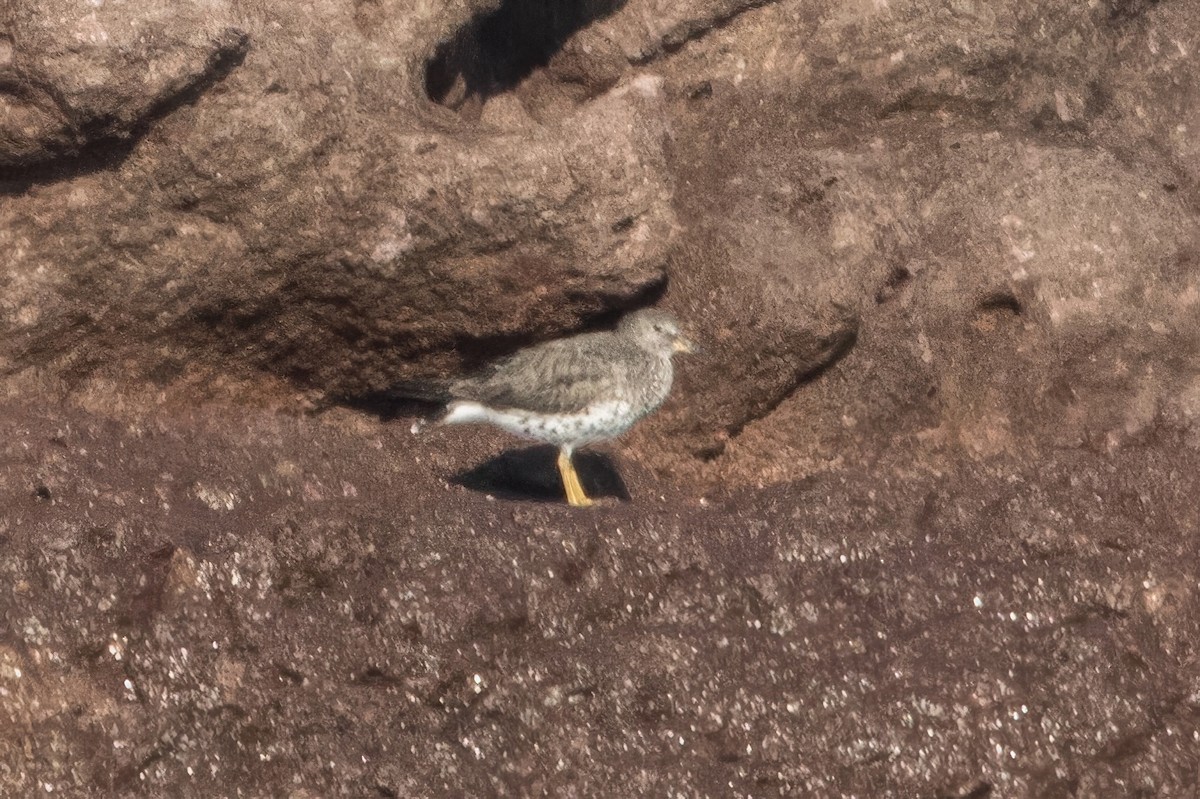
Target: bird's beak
[(684, 344)]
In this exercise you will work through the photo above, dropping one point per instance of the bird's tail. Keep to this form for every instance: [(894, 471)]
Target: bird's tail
[(422, 390)]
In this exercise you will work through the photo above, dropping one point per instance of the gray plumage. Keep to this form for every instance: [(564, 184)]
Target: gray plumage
[(631, 363), (568, 392), (567, 375)]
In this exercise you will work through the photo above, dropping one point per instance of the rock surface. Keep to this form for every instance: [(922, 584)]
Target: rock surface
[(82, 74), (920, 520), (302, 196), (202, 601)]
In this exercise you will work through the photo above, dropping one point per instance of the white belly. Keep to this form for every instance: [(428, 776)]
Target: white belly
[(600, 421)]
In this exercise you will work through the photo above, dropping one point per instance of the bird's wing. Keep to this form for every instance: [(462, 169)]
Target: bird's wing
[(562, 376)]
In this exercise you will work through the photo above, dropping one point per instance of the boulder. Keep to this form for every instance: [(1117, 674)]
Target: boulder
[(287, 197)]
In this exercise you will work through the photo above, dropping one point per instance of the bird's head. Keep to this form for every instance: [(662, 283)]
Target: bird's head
[(656, 331)]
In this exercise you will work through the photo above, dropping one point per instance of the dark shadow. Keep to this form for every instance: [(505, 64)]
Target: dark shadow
[(1127, 10), (834, 348), (105, 145), (1001, 301), (401, 399), (387, 406), (601, 312), (531, 473), (494, 52)]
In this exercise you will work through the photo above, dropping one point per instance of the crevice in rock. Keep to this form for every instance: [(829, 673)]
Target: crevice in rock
[(897, 278), (835, 347), (105, 142), (978, 790), (476, 351), (600, 311), (693, 29), (1001, 301), (495, 52), (290, 674), (374, 676), (923, 101)]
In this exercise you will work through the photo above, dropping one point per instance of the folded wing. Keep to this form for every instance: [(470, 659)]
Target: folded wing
[(555, 377)]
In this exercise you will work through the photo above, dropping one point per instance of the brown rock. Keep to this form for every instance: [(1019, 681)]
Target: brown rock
[(920, 521), (312, 200), (81, 74)]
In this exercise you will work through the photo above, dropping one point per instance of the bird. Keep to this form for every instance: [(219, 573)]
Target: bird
[(568, 392)]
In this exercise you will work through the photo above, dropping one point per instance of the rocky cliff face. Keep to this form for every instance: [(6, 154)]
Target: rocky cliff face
[(920, 520)]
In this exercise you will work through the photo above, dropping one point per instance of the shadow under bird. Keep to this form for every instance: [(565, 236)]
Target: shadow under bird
[(569, 392)]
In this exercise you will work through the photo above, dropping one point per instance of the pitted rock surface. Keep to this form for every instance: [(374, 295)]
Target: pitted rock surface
[(919, 521)]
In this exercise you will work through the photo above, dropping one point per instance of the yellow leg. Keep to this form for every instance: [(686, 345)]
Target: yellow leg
[(582, 499), (570, 478)]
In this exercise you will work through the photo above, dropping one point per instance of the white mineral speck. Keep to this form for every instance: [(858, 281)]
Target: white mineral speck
[(978, 602)]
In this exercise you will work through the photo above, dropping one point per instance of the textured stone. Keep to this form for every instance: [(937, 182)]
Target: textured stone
[(355, 623), (309, 198), (920, 520), (78, 74)]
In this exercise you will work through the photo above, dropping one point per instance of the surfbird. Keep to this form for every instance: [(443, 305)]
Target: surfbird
[(568, 392)]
